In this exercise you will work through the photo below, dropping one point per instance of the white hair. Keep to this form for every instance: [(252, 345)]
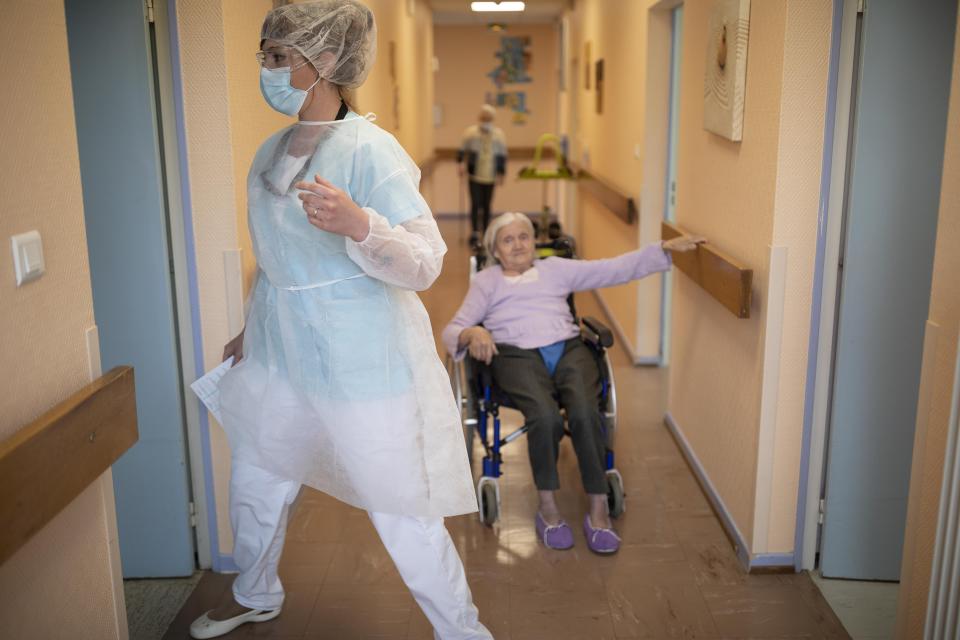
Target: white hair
[(489, 110), (502, 220)]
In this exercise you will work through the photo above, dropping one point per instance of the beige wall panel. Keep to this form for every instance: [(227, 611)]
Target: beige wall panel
[(449, 192), (726, 192), (802, 116), (213, 195), (603, 235), (927, 473), (466, 56), (70, 562), (252, 120), (605, 143), (406, 115), (227, 120)]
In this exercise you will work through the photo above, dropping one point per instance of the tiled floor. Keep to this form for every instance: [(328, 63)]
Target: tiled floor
[(868, 610), (675, 577)]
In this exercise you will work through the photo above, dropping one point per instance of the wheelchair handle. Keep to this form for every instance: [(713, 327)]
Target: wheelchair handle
[(599, 330)]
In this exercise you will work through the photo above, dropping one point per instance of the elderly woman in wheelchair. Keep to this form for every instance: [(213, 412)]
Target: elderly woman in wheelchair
[(517, 320)]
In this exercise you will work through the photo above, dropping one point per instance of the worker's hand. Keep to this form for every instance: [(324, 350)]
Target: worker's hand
[(480, 344), (234, 348), (500, 180), (330, 209), (681, 244), (461, 170)]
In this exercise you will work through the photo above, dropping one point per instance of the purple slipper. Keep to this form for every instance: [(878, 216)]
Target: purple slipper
[(554, 536), (600, 540)]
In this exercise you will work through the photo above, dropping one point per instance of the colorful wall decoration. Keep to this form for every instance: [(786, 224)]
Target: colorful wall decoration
[(514, 62)]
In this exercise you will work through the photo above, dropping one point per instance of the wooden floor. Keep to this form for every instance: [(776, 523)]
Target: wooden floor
[(676, 575)]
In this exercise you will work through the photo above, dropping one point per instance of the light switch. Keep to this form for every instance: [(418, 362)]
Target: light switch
[(27, 257)]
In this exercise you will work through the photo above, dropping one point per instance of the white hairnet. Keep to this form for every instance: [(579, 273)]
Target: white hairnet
[(339, 37), (502, 220)]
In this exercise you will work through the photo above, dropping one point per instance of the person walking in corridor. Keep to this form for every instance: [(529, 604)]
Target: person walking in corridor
[(336, 381), (483, 158)]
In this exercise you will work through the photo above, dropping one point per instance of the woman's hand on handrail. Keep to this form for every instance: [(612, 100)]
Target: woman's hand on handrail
[(479, 343), (682, 244)]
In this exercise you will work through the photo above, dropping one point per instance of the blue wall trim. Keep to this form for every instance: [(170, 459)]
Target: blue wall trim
[(226, 564), (748, 561), (817, 297), (743, 551), (190, 246)]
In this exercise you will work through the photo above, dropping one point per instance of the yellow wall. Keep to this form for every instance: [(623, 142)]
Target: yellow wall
[(748, 198), (933, 411), (65, 581), (251, 119), (726, 193), (226, 119), (605, 143)]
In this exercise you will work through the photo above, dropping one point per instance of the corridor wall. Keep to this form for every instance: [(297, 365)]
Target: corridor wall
[(939, 361), (64, 582), (606, 144), (226, 119), (736, 386), (466, 54)]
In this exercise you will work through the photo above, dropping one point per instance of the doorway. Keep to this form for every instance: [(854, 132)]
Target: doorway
[(893, 64), (116, 59)]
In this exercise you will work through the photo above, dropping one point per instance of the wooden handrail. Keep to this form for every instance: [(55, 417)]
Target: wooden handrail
[(49, 462), (513, 153), (720, 275), (621, 204), (427, 166), (624, 206)]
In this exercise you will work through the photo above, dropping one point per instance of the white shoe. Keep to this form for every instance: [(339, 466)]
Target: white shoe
[(203, 627)]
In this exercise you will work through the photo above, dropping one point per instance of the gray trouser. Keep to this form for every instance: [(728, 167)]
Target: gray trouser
[(576, 384)]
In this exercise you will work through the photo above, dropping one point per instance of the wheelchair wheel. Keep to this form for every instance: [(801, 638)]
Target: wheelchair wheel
[(489, 501), (615, 494), (456, 373)]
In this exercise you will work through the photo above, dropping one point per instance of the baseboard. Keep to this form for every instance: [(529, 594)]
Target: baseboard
[(623, 338), (772, 563), (751, 563), (224, 564)]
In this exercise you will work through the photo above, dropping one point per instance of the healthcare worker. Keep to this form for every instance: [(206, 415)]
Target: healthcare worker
[(336, 382)]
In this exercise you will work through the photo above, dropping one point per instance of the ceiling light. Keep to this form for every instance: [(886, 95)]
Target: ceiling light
[(498, 6)]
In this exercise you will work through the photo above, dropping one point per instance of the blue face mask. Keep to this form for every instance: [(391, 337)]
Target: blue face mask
[(279, 93)]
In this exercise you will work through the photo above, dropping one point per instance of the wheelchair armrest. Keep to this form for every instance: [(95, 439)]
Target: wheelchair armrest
[(597, 332)]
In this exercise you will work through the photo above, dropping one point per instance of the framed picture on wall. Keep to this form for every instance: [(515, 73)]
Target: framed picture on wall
[(599, 78), (587, 63), (726, 70)]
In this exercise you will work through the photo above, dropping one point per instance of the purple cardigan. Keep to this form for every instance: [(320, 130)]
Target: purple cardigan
[(534, 313)]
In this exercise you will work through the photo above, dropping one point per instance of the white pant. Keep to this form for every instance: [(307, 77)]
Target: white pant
[(420, 547)]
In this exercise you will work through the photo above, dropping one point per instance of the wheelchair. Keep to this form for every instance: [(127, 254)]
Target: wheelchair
[(480, 399)]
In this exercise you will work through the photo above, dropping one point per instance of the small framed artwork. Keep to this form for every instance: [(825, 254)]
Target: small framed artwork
[(724, 83), (598, 76), (587, 63)]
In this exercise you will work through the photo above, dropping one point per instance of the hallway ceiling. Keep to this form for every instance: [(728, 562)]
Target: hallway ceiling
[(458, 12)]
